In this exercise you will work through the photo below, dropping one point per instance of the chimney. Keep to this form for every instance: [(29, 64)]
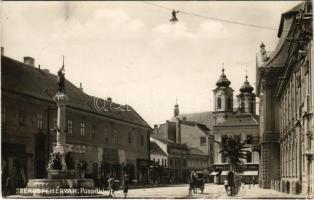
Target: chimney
[(29, 61), (109, 99), (81, 86), (155, 130), (2, 51)]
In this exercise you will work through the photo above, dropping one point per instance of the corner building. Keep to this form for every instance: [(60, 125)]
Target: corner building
[(285, 89), (106, 141)]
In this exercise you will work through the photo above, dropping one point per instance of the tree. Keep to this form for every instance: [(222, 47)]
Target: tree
[(233, 149)]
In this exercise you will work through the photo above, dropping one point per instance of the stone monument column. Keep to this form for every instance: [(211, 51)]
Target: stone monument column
[(61, 100)]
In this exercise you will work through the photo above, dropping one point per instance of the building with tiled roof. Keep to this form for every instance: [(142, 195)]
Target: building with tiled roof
[(107, 138)]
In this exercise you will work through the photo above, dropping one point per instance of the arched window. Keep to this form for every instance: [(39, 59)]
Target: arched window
[(218, 103)]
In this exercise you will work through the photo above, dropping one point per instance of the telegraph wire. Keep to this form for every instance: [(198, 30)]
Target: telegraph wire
[(212, 18)]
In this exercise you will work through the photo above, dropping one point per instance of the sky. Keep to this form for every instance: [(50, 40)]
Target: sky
[(130, 51)]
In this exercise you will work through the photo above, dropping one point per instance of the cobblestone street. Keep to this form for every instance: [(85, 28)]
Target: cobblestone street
[(211, 191)]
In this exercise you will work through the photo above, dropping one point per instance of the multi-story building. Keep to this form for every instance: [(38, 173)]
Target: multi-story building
[(174, 169), (105, 136), (285, 88)]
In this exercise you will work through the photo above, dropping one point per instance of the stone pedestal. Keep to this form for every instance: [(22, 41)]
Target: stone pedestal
[(61, 182)]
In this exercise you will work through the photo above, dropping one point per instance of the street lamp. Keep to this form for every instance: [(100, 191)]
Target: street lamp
[(174, 17)]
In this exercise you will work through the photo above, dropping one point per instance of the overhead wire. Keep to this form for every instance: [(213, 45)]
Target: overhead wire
[(212, 18)]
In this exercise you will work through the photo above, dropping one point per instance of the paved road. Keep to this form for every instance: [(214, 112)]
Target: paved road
[(175, 191), (211, 191)]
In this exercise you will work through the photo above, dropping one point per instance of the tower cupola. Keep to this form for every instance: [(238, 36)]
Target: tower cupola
[(246, 87), (223, 81), (246, 98)]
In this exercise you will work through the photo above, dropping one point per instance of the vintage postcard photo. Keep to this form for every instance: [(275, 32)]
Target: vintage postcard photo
[(157, 99)]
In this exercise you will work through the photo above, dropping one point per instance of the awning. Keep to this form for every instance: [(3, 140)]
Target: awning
[(250, 173), (213, 173), (224, 173)]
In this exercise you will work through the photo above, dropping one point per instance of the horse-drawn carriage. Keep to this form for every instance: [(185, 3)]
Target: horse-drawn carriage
[(197, 182)]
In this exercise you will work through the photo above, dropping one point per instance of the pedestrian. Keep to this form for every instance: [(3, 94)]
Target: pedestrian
[(194, 179), (226, 185), (111, 186), (125, 184)]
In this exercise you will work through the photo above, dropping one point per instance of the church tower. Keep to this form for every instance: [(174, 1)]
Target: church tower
[(246, 98), (176, 110), (223, 98)]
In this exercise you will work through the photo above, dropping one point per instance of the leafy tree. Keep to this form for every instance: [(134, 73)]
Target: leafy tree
[(233, 149)]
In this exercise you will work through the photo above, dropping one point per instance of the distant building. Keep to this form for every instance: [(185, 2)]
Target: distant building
[(196, 136), (159, 172), (175, 168), (226, 120), (285, 89), (107, 141)]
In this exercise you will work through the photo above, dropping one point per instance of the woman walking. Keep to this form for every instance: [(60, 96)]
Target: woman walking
[(125, 184), (111, 186)]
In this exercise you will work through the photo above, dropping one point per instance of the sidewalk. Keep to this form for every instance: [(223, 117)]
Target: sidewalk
[(258, 193)]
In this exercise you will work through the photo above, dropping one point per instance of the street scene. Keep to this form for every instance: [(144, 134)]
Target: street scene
[(148, 99)]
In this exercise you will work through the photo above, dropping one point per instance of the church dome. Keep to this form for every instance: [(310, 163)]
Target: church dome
[(246, 87), (223, 81)]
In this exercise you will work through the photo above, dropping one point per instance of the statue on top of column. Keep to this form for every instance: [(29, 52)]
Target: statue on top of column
[(61, 79)]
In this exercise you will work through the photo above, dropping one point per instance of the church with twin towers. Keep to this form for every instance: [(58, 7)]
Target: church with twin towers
[(227, 120)]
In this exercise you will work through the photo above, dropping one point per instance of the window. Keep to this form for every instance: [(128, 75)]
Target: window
[(230, 103), (218, 103), (54, 122), (21, 118), (249, 157), (3, 114), (252, 107), (70, 127), (142, 140), (203, 141), (115, 137), (94, 131), (106, 135), (249, 139), (223, 140), (82, 129), (40, 120), (130, 138), (170, 162)]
